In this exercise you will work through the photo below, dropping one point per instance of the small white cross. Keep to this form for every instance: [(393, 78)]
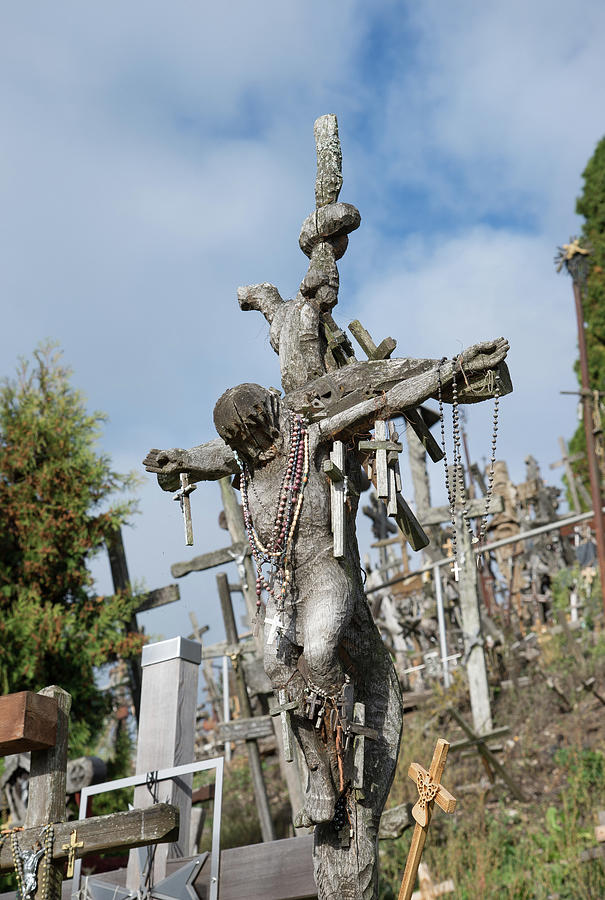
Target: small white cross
[(277, 624), (456, 570)]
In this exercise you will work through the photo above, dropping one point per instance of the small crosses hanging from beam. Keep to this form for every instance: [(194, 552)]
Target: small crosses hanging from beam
[(71, 848)]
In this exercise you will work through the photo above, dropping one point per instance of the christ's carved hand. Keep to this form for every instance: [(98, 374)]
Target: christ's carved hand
[(165, 462), (485, 355)]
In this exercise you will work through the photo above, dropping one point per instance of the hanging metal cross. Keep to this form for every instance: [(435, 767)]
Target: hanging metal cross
[(74, 843), (182, 496), (277, 624)]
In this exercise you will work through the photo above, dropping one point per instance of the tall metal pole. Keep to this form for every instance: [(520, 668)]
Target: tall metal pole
[(593, 465)]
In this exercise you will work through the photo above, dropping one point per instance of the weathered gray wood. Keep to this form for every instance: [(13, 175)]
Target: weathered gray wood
[(337, 495), (121, 584), (166, 737), (47, 782), (245, 729), (393, 822), (416, 421), (474, 654), (209, 560), (329, 629), (482, 748), (134, 828), (359, 717), (159, 597), (28, 721), (364, 339), (47, 773), (258, 780), (280, 870), (224, 648)]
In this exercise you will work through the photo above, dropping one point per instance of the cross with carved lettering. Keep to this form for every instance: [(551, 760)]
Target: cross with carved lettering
[(430, 791)]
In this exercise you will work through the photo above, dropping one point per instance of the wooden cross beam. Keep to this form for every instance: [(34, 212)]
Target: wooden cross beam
[(28, 721), (480, 742), (46, 813), (364, 339), (430, 791), (210, 560), (283, 709)]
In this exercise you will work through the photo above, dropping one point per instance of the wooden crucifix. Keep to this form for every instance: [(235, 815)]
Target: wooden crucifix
[(430, 791), (278, 445), (47, 839)]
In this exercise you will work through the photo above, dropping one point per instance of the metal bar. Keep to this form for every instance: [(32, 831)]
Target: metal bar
[(163, 775), (441, 621), (226, 710), (485, 548)]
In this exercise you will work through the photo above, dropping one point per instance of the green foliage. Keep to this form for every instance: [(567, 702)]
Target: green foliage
[(591, 205), (54, 492)]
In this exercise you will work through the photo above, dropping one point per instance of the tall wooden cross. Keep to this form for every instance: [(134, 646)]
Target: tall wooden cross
[(430, 791), (40, 723), (330, 397)]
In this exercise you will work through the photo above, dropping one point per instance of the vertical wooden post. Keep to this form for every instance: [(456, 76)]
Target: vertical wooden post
[(167, 737), (258, 781), (471, 626), (121, 582), (47, 782), (237, 530)]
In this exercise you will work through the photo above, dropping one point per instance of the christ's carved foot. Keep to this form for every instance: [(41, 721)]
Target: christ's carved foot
[(320, 800), (315, 811)]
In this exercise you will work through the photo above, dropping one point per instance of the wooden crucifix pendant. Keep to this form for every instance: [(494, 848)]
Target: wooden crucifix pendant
[(335, 470), (182, 496)]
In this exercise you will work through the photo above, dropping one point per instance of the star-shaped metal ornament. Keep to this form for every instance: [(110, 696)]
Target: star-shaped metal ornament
[(177, 886)]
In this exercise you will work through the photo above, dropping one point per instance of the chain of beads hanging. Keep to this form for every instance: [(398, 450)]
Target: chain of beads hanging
[(276, 555), (456, 489)]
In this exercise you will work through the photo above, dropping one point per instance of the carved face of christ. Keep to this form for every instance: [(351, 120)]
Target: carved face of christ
[(247, 419)]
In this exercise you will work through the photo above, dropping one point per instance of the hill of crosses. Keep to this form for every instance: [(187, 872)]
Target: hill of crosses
[(301, 460)]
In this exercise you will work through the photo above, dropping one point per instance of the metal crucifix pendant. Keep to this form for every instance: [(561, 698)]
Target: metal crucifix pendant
[(183, 497), (276, 626)]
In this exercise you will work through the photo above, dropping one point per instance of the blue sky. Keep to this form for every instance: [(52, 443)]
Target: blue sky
[(157, 156)]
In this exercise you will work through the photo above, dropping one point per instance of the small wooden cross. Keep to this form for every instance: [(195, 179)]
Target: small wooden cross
[(182, 496), (74, 843), (335, 470), (283, 709), (430, 791)]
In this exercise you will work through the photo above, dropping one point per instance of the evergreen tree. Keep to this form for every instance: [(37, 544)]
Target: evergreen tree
[(54, 492), (591, 205)]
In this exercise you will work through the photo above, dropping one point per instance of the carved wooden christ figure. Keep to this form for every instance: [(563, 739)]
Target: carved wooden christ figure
[(326, 631), (323, 652)]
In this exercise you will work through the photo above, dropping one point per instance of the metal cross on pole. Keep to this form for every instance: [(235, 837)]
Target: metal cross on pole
[(182, 496)]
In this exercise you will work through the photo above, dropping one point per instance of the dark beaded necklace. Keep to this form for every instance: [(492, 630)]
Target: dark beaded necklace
[(276, 555)]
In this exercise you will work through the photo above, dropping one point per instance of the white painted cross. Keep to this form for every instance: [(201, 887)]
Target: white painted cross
[(277, 624)]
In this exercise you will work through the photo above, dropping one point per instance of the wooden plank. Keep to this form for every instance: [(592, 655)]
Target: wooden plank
[(487, 754), (209, 560), (437, 515), (28, 721), (422, 432), (245, 729), (382, 473), (133, 828), (159, 597), (224, 648), (410, 526), (47, 771), (364, 339), (278, 870)]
